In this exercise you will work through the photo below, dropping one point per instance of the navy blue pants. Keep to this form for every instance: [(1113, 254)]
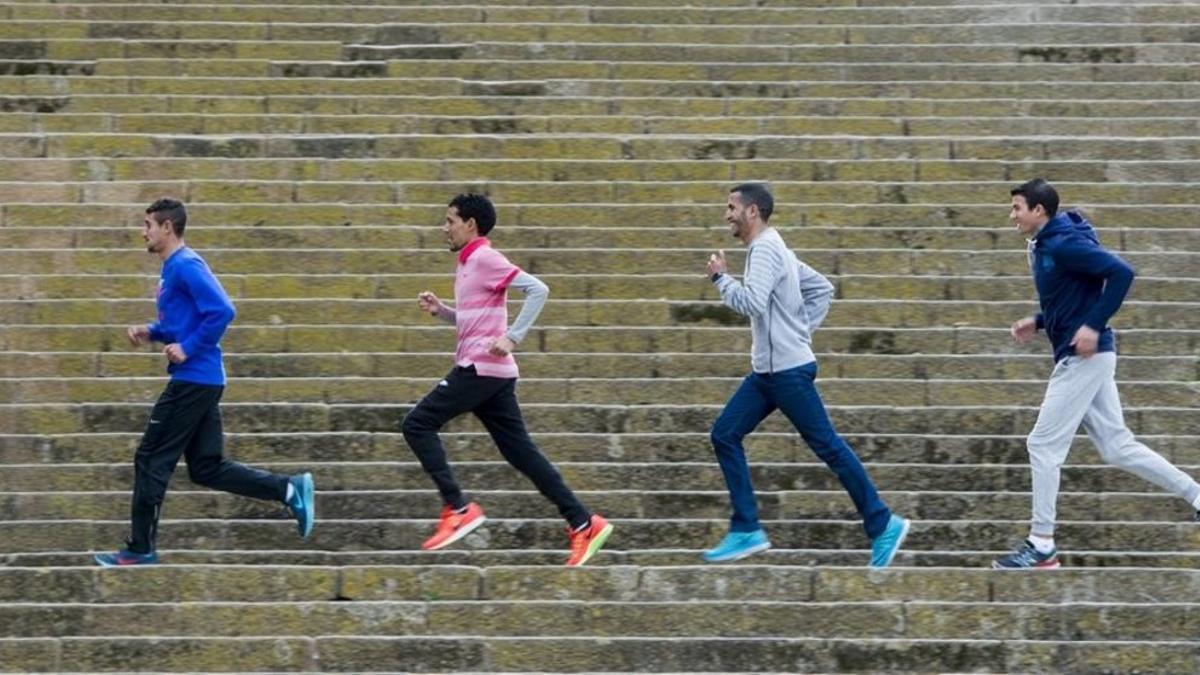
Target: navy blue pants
[(793, 392)]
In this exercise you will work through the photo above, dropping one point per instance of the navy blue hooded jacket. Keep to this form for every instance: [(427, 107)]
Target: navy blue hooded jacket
[(1078, 282)]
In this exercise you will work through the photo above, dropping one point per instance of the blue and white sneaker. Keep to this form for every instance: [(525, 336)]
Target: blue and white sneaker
[(1027, 557), (885, 546), (125, 558), (738, 545), (303, 503)]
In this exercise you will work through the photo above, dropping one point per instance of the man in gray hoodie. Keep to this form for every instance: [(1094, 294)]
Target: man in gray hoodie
[(786, 301)]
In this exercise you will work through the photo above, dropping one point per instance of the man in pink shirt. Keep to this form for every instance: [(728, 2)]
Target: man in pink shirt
[(483, 381)]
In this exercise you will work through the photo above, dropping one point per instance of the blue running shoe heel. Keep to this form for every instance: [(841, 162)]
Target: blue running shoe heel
[(885, 546), (303, 503)]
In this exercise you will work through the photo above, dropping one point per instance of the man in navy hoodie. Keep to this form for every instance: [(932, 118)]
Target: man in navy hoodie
[(193, 312), (1080, 286)]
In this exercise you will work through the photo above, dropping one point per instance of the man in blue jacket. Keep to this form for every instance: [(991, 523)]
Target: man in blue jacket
[(1080, 285), (193, 313)]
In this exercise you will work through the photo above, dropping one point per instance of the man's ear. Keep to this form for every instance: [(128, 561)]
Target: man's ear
[(470, 223)]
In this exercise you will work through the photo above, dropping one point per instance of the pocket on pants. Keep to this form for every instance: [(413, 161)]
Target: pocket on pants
[(160, 418)]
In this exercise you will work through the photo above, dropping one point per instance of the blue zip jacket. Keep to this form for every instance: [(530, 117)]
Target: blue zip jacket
[(194, 311), (1078, 282)]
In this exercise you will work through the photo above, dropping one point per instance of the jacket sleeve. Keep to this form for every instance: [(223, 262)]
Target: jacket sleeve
[(156, 332), (1083, 256), (216, 310), (751, 296), (817, 292)]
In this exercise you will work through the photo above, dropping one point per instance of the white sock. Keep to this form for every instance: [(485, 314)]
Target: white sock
[(290, 491), (1042, 544)]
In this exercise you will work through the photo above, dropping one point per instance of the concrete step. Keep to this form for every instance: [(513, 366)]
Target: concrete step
[(983, 104), (626, 390), (615, 504), (1071, 82), (951, 263), (594, 146), (694, 447), (136, 32), (674, 287), (617, 64), (461, 653), (590, 312), (62, 418), (34, 170), (776, 125), (404, 473), (485, 558), (243, 366), (801, 193), (725, 12), (649, 216), (247, 53), (627, 584), (917, 620), (308, 339)]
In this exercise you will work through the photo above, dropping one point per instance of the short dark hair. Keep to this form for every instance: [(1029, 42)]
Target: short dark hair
[(169, 209), (1038, 192), (759, 195), (470, 205)]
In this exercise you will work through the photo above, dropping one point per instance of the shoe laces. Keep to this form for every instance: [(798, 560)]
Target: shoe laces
[(579, 539)]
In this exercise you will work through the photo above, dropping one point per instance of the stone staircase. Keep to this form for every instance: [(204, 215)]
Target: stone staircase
[(316, 144)]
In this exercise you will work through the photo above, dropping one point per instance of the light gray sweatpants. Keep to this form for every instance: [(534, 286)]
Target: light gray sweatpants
[(1085, 390)]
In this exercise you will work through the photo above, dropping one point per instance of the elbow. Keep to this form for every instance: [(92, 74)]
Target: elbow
[(755, 310)]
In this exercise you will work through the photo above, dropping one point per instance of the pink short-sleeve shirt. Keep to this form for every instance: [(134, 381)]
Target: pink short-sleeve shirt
[(480, 307)]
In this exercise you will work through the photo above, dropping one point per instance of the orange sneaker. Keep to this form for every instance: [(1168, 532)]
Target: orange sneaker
[(454, 526), (587, 541)]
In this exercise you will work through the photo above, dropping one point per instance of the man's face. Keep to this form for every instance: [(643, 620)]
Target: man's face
[(458, 231), (1026, 221), (155, 234), (737, 215)]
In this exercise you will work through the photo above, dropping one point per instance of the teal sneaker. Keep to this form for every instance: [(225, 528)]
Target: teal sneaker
[(885, 546), (303, 503), (738, 545), (125, 558)]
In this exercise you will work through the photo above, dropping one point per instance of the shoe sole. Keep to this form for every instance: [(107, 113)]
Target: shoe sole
[(596, 545), (107, 565), (744, 553), (896, 548), (310, 506), (1053, 566), (459, 534)]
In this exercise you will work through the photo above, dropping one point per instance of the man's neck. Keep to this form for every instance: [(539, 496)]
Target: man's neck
[(170, 249), (754, 233)]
